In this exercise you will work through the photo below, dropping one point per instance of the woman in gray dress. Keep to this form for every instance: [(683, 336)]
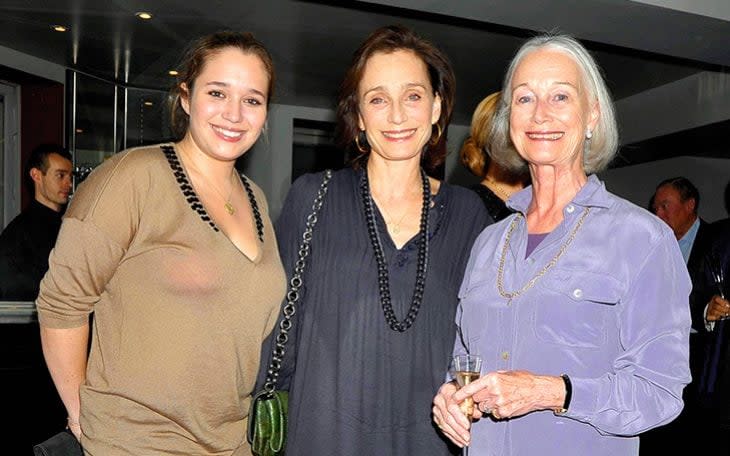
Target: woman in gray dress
[(375, 323)]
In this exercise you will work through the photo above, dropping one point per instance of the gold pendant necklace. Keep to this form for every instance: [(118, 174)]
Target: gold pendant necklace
[(229, 207), (395, 227), (500, 269), (227, 201)]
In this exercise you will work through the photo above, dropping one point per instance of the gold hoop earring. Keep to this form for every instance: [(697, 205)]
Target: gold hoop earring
[(357, 143), (438, 135)]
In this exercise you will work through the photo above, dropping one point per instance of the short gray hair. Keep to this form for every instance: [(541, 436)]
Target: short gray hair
[(600, 150)]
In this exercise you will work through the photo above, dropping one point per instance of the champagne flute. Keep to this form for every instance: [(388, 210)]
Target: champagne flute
[(466, 369), (714, 264)]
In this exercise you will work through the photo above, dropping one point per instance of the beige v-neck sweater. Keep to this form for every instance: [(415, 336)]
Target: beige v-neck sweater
[(179, 312)]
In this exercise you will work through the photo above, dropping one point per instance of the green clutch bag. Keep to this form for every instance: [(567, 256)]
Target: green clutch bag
[(267, 423)]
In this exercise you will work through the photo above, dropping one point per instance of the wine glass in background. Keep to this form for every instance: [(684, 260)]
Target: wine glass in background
[(714, 264), (466, 368)]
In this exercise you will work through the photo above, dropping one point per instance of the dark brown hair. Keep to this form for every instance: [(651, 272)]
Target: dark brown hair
[(195, 58), (386, 40)]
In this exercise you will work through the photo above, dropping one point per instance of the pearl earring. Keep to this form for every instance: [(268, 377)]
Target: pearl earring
[(589, 134)]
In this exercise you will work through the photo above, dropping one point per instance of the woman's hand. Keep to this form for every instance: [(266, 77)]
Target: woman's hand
[(449, 417), (508, 394), (74, 427), (718, 308)]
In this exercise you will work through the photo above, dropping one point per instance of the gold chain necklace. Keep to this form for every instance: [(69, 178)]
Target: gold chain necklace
[(393, 227), (499, 189), (227, 201), (500, 270), (228, 206)]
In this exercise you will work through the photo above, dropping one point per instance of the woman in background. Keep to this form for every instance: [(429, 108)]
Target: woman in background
[(577, 303), (173, 252), (375, 324), (498, 184)]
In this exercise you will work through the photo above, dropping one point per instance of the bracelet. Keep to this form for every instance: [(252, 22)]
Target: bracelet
[(568, 395)]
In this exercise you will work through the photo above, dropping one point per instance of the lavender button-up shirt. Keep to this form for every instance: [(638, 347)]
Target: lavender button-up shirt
[(613, 314)]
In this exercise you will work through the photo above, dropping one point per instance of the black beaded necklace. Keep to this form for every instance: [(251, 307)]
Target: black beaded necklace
[(383, 275), (192, 198)]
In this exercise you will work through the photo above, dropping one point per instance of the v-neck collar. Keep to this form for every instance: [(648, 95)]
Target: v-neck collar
[(188, 191)]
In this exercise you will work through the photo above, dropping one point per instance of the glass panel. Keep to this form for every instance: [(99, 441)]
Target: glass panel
[(147, 115), (110, 118), (2, 161), (314, 149), (95, 123)]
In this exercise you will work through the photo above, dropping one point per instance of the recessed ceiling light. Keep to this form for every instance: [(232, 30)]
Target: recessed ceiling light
[(144, 15), (79, 130), (59, 28), (173, 73), (148, 103)]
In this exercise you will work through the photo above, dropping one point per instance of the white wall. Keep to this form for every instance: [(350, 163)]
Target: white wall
[(32, 65), (697, 100), (710, 176), (269, 162), (455, 172)]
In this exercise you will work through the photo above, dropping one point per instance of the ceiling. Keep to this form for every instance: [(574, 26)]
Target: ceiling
[(642, 46)]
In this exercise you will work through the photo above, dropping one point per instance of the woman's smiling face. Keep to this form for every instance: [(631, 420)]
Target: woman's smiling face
[(550, 111), (227, 103), (397, 104)]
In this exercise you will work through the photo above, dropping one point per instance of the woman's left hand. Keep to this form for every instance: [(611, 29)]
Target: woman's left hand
[(449, 417), (508, 394)]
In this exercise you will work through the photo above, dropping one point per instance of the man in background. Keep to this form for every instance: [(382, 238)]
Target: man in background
[(676, 202), (28, 239)]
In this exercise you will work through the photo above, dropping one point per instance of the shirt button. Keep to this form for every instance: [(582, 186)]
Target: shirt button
[(505, 355), (577, 293), (570, 208)]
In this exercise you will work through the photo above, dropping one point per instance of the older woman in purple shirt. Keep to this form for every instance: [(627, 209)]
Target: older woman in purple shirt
[(577, 303)]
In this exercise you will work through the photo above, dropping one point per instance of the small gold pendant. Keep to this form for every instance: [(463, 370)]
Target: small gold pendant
[(229, 207), (395, 229)]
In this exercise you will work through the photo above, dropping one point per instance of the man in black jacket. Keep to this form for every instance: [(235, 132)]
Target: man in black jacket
[(676, 201), (714, 380), (28, 239)]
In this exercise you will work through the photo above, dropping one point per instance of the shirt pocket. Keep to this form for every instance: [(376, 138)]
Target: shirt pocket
[(576, 308)]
